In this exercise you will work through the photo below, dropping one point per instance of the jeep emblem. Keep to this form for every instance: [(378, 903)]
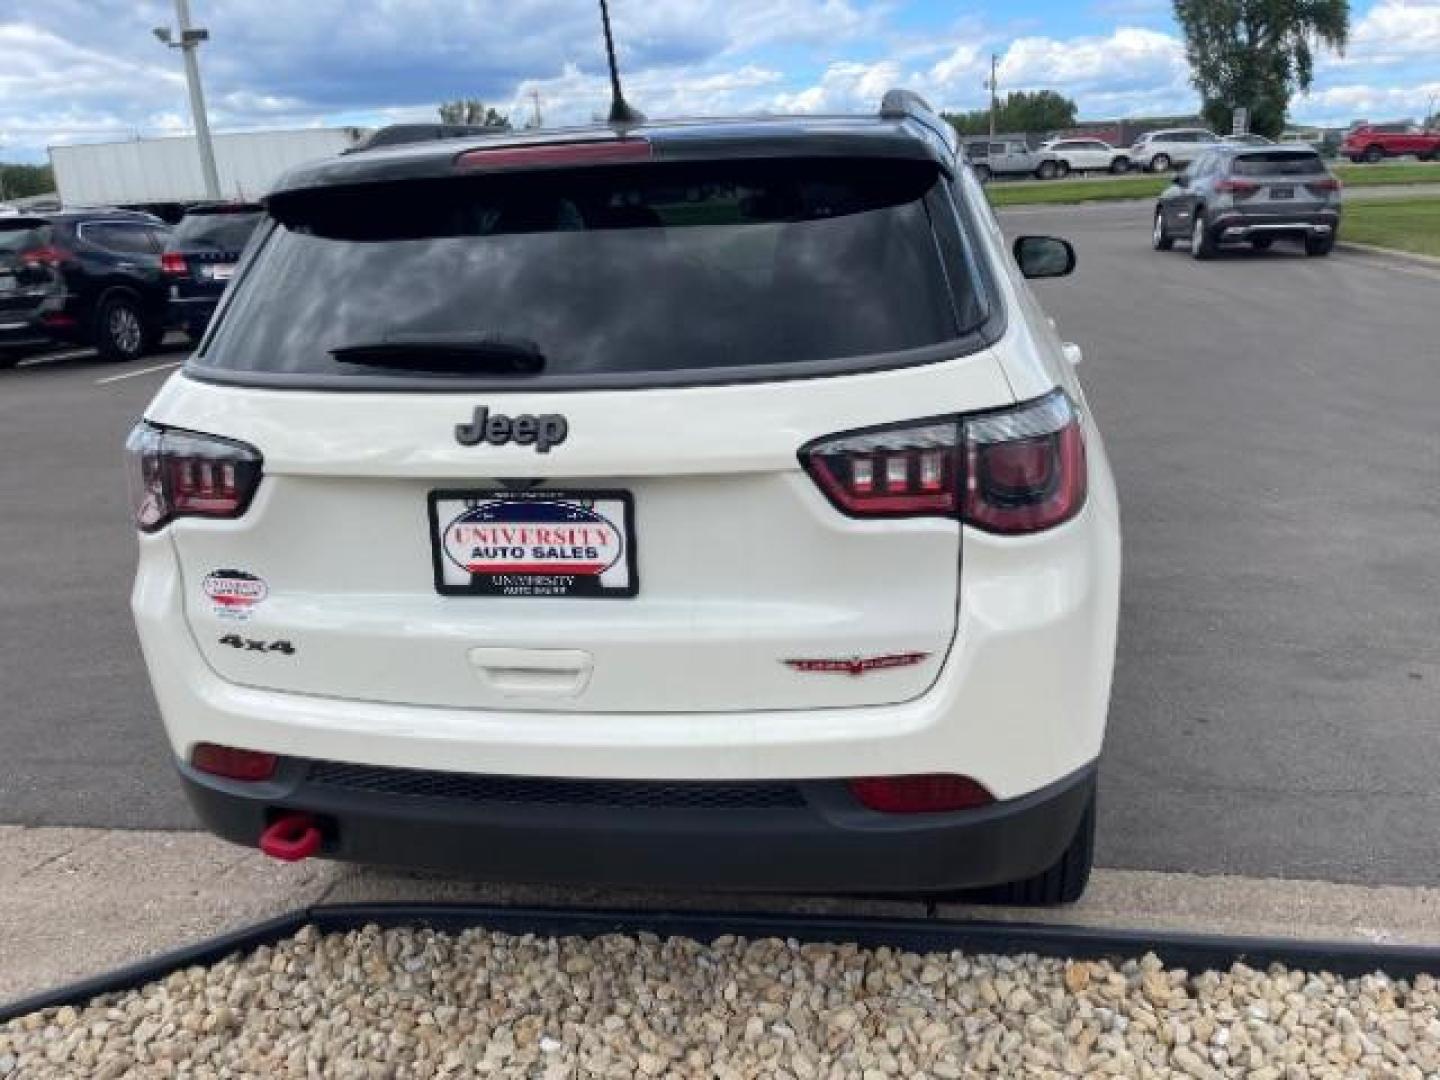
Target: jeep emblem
[(541, 432)]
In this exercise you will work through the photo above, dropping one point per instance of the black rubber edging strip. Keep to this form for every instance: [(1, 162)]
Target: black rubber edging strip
[(1193, 952)]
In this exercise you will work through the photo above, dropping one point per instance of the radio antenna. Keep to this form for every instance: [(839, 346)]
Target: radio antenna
[(621, 111)]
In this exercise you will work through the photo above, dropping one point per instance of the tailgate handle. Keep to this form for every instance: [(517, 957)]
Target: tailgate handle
[(523, 672)]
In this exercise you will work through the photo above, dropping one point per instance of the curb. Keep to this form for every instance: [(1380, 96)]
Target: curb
[(1190, 951), (1414, 258)]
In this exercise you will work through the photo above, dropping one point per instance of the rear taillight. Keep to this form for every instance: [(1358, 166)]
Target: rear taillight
[(1016, 471), (1241, 188), (172, 262), (182, 474), (233, 763), (932, 793), (1324, 187), (45, 256)]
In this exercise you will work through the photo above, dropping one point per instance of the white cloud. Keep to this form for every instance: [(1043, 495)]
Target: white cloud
[(1395, 29)]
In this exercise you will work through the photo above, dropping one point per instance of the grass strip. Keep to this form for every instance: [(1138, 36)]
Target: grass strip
[(1400, 224)]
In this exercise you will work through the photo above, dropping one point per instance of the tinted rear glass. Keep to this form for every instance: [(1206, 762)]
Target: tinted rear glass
[(608, 271), (18, 236), (223, 232), (1277, 163)]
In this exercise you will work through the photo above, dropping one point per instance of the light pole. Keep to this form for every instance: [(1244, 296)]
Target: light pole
[(190, 39), (993, 86)]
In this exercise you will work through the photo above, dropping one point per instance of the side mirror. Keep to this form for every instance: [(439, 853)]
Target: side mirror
[(1043, 256)]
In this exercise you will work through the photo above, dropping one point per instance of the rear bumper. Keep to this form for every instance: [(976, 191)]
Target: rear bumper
[(820, 841), (1235, 226)]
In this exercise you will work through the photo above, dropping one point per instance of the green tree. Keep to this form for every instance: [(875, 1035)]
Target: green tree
[(1042, 111), (473, 111), (18, 181), (1257, 53)]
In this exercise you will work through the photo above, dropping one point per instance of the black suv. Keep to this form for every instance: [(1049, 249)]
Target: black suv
[(88, 277), (200, 259)]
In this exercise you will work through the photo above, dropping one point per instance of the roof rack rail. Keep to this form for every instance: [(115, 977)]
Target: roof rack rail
[(901, 104)]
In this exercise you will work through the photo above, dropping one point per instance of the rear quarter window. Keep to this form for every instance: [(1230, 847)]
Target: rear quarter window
[(227, 231), (663, 273)]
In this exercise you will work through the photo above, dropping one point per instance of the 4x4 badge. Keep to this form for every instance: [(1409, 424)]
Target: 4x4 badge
[(541, 432)]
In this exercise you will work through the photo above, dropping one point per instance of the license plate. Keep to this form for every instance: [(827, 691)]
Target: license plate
[(222, 271), (1282, 192), (534, 543)]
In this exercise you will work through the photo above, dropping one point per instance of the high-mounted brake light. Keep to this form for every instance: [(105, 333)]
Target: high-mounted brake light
[(172, 262), (549, 155), (1020, 470), (183, 474)]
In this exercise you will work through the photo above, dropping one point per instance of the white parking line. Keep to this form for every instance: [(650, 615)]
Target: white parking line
[(55, 358), (138, 372)]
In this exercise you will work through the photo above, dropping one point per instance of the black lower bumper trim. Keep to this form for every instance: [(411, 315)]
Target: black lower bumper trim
[(825, 844)]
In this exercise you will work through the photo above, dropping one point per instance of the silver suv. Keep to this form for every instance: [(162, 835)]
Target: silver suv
[(1159, 150), (1250, 194)]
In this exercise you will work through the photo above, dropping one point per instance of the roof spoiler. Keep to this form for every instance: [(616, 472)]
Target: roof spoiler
[(901, 104)]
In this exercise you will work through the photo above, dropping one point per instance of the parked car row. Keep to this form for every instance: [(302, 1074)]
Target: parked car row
[(116, 280), (1155, 151)]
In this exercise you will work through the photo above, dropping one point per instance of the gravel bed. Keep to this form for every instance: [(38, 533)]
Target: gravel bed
[(417, 1003)]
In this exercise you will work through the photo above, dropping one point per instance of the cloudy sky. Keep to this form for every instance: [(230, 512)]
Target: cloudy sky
[(89, 70)]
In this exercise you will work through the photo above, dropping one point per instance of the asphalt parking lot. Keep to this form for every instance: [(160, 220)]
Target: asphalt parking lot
[(1272, 420)]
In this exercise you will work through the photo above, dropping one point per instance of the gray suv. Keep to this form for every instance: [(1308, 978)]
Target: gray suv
[(1250, 194)]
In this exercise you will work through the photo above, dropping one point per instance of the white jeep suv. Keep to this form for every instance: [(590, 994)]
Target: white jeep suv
[(661, 504)]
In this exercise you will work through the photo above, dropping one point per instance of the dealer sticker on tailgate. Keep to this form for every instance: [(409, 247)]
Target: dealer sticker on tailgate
[(534, 543)]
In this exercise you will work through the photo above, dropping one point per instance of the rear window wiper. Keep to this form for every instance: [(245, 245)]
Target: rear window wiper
[(499, 354)]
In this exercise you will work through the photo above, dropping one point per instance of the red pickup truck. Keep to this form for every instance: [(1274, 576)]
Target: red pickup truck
[(1372, 142)]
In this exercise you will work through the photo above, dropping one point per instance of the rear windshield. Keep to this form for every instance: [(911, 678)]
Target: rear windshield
[(1277, 163), (18, 236), (622, 271), (224, 231)]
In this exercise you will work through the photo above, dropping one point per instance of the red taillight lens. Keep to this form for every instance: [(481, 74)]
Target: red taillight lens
[(232, 763), (183, 474), (172, 262), (1242, 188), (1324, 187), (44, 256), (603, 152), (1017, 471), (933, 793)]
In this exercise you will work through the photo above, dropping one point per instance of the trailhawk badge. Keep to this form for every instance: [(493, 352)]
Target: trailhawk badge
[(858, 665)]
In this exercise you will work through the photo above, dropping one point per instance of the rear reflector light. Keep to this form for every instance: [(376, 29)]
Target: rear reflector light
[(172, 262), (934, 793), (57, 319), (549, 155), (1016, 471), (232, 763), (183, 474)]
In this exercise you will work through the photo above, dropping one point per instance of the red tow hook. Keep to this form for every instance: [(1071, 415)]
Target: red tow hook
[(291, 837)]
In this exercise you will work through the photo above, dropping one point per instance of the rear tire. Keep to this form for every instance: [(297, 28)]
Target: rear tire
[(1160, 163), (1047, 170), (120, 330), (1320, 246), (1262, 243), (1062, 169), (1202, 243), (1159, 240), (982, 173), (1373, 154), (1120, 166), (1062, 883)]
